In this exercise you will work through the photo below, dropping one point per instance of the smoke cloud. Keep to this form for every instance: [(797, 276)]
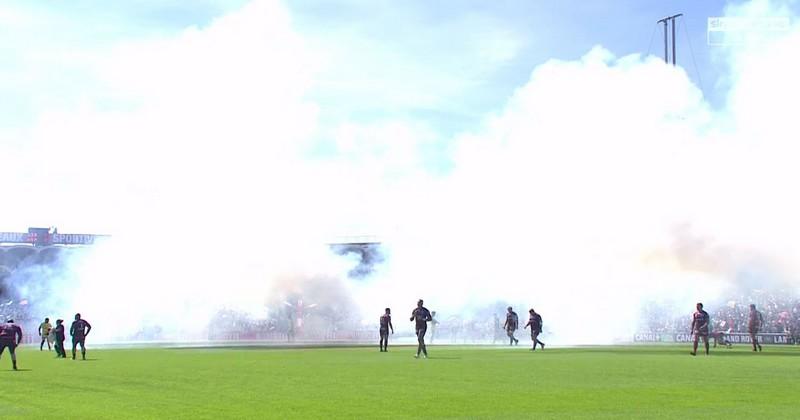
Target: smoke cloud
[(603, 182)]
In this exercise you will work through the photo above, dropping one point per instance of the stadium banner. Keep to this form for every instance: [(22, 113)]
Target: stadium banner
[(735, 338), (48, 239), (74, 239), (14, 238)]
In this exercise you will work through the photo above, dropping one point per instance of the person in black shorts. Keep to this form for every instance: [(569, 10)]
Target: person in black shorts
[(386, 325), (60, 337), (79, 330), (10, 336), (700, 321), (511, 325), (421, 316), (535, 321), (754, 324)]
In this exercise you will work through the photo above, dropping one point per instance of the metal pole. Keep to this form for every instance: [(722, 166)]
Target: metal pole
[(673, 41), (666, 58), (666, 22)]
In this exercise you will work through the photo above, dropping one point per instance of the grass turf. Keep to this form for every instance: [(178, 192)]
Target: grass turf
[(456, 382)]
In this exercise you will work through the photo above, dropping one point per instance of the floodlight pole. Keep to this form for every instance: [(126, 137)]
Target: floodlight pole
[(666, 21), (666, 58)]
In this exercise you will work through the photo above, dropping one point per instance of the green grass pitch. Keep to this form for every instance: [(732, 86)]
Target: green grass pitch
[(456, 382)]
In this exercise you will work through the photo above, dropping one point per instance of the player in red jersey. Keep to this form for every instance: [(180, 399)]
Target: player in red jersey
[(700, 321), (386, 325), (511, 325), (754, 325), (421, 315), (535, 321), (10, 336), (79, 330)]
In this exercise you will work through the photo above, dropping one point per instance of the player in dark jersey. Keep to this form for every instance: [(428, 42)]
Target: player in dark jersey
[(422, 316), (700, 321), (386, 325), (754, 324), (60, 337), (535, 322), (10, 336), (79, 330), (511, 325)]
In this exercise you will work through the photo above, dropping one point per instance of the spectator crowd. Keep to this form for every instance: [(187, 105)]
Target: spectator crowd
[(781, 312)]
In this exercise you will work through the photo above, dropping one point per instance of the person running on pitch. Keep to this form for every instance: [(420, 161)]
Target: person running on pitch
[(386, 325), (700, 321), (511, 325), (535, 321), (422, 316), (754, 325), (10, 336), (79, 330), (44, 333)]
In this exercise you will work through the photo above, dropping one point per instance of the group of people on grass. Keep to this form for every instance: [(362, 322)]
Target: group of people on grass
[(11, 337), (781, 313), (701, 329), (512, 325), (421, 316)]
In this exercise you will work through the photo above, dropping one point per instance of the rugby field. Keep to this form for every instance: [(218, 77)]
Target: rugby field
[(456, 382)]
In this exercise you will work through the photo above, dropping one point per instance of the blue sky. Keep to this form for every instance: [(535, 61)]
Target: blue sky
[(438, 36), (435, 38), (389, 83)]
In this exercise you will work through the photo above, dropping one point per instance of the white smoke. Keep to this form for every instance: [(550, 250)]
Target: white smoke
[(608, 182), (584, 196)]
